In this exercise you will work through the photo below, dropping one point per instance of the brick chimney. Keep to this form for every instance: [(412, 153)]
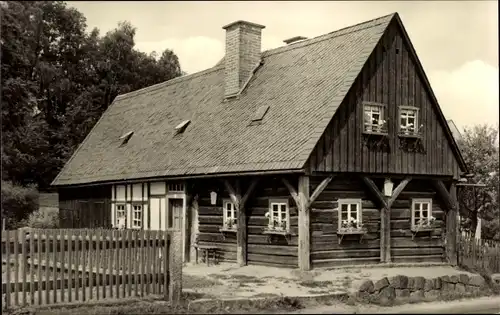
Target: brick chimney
[(243, 44)]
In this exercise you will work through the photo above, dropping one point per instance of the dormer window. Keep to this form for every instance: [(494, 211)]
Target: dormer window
[(374, 118), (126, 137), (182, 126), (259, 114)]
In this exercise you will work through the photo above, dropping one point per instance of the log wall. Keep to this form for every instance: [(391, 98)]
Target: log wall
[(262, 250), (327, 252)]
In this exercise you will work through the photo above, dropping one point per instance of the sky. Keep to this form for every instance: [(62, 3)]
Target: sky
[(456, 41)]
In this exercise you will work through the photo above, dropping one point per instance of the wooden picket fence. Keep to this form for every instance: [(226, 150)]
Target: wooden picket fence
[(42, 266), (479, 254)]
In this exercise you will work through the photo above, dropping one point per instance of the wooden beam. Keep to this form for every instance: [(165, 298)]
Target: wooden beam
[(319, 190), (232, 193), (249, 191), (444, 194), (397, 191), (293, 192), (374, 190), (304, 224), (384, 218)]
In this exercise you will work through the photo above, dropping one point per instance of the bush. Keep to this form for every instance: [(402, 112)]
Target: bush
[(17, 204), (44, 218)]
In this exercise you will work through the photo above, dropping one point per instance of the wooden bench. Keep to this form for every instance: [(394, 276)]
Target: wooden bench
[(207, 250)]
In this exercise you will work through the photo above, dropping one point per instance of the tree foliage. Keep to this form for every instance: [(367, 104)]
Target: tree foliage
[(479, 148), (57, 80), (17, 204)]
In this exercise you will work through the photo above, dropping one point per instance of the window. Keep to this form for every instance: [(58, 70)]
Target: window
[(121, 216), (137, 216), (374, 118), (421, 213), (408, 120), (177, 187), (279, 215), (350, 214), (229, 215)]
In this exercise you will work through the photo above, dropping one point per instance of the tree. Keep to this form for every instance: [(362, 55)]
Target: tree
[(57, 80), (480, 151)]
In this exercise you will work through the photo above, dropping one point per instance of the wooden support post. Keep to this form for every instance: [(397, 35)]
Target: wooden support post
[(194, 227), (452, 226), (304, 223), (385, 214), (451, 204), (239, 204), (303, 202)]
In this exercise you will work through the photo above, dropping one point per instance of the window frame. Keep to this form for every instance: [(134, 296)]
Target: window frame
[(420, 201), (416, 125), (233, 212), (349, 202), (134, 212), (374, 128), (279, 202), (118, 204)]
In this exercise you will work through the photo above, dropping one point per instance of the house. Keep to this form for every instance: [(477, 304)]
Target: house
[(324, 152)]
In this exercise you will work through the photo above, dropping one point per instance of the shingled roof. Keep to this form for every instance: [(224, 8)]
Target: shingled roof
[(303, 84)]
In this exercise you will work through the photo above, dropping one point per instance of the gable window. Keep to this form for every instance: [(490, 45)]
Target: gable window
[(374, 121), (229, 215), (278, 215), (349, 217), (408, 117), (121, 216), (137, 216), (421, 213)]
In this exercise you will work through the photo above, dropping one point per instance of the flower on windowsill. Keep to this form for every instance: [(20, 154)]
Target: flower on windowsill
[(230, 223), (426, 223), (351, 224)]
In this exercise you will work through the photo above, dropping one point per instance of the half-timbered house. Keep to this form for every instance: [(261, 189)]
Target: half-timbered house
[(327, 151)]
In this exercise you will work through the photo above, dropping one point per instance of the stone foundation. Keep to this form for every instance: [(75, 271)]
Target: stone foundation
[(402, 289)]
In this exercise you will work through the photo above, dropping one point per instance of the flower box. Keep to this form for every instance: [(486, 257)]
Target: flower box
[(228, 230), (351, 231), (275, 232), (412, 135), (376, 130)]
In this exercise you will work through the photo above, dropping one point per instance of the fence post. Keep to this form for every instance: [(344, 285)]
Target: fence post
[(175, 267), (8, 242)]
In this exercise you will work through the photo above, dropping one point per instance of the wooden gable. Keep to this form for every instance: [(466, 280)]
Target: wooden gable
[(393, 77)]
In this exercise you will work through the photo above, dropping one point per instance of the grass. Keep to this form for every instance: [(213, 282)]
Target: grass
[(197, 282)]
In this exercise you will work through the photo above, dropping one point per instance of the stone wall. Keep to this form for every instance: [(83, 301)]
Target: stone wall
[(402, 289)]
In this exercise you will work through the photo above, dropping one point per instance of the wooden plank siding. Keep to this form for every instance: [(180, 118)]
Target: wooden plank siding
[(261, 251), (390, 77), (327, 252), (85, 207)]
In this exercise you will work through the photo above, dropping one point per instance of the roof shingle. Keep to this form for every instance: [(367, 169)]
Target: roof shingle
[(302, 83)]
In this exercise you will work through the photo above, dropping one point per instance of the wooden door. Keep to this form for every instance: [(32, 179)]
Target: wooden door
[(175, 214)]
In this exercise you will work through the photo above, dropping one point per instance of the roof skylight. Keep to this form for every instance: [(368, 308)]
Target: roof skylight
[(182, 126), (260, 113), (126, 137)]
